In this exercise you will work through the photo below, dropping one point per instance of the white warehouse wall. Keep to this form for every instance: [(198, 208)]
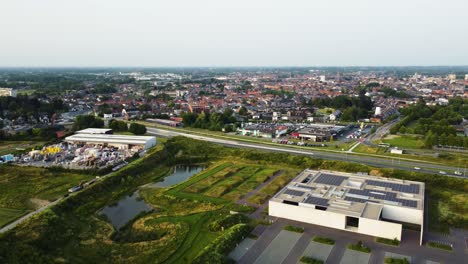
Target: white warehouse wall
[(402, 214), (379, 228), (307, 214)]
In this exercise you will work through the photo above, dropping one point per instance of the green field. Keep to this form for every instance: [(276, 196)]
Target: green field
[(404, 142), (179, 229), (8, 215), (8, 147)]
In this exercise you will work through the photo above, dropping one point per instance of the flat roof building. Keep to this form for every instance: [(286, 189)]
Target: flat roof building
[(120, 141), (95, 131), (369, 205)]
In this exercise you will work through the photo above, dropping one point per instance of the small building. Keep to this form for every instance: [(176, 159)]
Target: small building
[(369, 205), (263, 130), (335, 115), (397, 151), (8, 92)]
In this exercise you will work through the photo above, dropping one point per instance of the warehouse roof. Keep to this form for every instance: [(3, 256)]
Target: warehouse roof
[(352, 194), (104, 138), (94, 131)]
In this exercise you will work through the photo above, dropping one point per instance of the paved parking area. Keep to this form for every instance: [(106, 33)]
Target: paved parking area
[(241, 249), (279, 248), (318, 251), (355, 257)]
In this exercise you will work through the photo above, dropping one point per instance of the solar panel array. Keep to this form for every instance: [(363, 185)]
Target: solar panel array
[(357, 200), (381, 195), (412, 188), (293, 192), (316, 201), (330, 179), (306, 187)]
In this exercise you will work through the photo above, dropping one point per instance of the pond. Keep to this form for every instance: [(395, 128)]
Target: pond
[(125, 210), (180, 174)]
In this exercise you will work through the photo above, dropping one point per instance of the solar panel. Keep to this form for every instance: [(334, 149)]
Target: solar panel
[(330, 179), (411, 188), (357, 200), (408, 203), (293, 192), (381, 195), (316, 201), (305, 187)]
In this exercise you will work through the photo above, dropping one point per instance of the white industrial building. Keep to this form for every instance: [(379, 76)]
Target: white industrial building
[(119, 141), (95, 131), (358, 203)]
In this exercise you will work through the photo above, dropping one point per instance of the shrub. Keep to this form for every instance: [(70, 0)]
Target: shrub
[(137, 129), (296, 229), (359, 246), (215, 252), (309, 260), (228, 221), (439, 245), (391, 242), (324, 240), (396, 261)]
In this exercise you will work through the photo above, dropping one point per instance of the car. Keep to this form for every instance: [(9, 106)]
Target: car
[(458, 173), (442, 172), (417, 168)]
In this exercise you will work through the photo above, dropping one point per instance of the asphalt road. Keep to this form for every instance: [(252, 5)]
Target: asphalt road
[(396, 163)]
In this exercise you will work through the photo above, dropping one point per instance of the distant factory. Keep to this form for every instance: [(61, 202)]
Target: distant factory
[(103, 137)]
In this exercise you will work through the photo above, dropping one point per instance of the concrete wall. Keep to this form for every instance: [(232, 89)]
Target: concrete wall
[(379, 228), (307, 214), (334, 220), (402, 214)]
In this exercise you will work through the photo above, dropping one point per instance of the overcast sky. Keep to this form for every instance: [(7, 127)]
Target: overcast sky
[(233, 33)]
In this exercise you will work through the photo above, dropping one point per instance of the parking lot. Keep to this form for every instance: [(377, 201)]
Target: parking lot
[(276, 245)]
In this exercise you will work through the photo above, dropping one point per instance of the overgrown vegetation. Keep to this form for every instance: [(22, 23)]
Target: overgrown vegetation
[(186, 219), (323, 240), (359, 246), (434, 244), (389, 260), (391, 242), (310, 260), (296, 229)]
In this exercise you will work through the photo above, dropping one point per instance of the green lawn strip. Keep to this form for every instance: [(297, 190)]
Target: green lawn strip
[(359, 247), (228, 184), (391, 242), (389, 260), (250, 184), (206, 183), (296, 229), (273, 187), (434, 244), (8, 215), (323, 240), (310, 260)]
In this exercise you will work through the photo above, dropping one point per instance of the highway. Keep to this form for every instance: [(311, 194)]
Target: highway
[(403, 164)]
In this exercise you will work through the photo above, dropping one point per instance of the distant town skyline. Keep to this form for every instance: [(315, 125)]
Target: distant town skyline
[(208, 33)]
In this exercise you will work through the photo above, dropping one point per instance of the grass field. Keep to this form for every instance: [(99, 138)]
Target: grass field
[(405, 141), (24, 187), (7, 147), (179, 227), (8, 215)]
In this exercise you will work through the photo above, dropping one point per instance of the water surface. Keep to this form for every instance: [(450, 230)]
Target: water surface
[(180, 174), (125, 210)]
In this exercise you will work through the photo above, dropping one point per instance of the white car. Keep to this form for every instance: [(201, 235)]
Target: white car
[(458, 173), (417, 168), (442, 172)]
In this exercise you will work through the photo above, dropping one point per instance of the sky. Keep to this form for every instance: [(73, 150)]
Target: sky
[(209, 33)]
